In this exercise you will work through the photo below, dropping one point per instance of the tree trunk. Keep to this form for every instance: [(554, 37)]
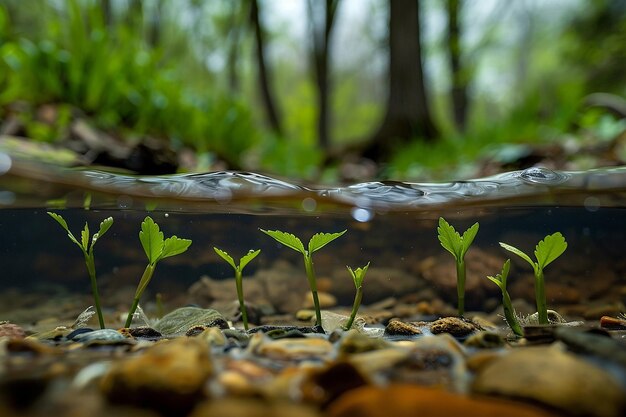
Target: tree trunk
[(271, 109), (407, 114), (321, 33), (459, 76)]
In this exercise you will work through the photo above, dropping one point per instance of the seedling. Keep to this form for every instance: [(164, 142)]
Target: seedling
[(357, 276), (509, 312), (318, 241), (156, 248), (457, 245), (546, 251), (238, 277), (87, 248)]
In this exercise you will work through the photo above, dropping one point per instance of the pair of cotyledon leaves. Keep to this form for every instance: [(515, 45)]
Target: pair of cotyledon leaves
[(155, 246), (546, 251)]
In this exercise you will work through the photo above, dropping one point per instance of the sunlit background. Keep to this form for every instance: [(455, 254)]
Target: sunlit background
[(320, 90)]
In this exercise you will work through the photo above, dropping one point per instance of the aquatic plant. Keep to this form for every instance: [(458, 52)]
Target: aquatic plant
[(457, 245), (318, 241), (546, 251), (509, 312), (156, 248), (357, 276), (86, 245), (238, 277)]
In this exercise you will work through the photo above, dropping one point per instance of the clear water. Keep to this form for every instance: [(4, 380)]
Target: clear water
[(391, 224)]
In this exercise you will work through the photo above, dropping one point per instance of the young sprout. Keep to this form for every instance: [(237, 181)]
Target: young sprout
[(457, 245), (318, 241), (509, 313), (357, 276), (86, 246), (156, 248), (546, 251), (238, 277)]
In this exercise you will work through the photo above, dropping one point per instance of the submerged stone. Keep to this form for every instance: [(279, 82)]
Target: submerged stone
[(403, 400), (399, 328), (169, 377), (102, 335), (455, 326), (183, 319), (555, 378)]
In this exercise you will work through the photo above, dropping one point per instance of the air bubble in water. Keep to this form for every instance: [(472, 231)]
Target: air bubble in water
[(362, 215)]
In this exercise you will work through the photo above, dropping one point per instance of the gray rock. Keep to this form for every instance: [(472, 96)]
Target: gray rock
[(182, 319)]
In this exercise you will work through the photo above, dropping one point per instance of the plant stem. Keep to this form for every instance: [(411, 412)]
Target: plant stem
[(143, 283), (310, 275), (242, 305), (460, 286), (540, 297), (355, 307), (91, 269), (509, 314)]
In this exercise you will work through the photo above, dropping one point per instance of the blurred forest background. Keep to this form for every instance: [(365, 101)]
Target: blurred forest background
[(323, 90)]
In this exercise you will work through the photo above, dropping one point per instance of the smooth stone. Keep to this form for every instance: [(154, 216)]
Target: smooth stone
[(595, 342), (403, 400), (290, 349), (101, 335), (169, 376), (324, 385), (555, 378), (485, 340), (305, 315), (399, 328), (333, 321), (325, 299), (353, 341), (455, 326), (301, 329), (612, 323), (182, 319), (253, 407)]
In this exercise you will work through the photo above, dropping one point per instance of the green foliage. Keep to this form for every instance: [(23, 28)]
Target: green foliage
[(546, 251), (238, 277), (156, 248), (457, 245), (317, 241), (86, 246), (358, 275), (509, 312)]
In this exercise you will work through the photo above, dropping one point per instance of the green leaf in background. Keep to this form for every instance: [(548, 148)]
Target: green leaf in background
[(358, 275), (151, 239), (286, 239), (468, 238), (450, 238), (319, 240), (519, 253), (225, 256), (174, 246), (247, 258), (550, 248)]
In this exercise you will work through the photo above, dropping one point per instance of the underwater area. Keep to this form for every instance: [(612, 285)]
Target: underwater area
[(186, 351)]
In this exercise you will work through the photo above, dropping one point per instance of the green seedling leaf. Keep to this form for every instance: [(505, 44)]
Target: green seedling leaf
[(450, 239), (245, 260), (105, 225), (286, 239), (151, 239), (63, 224), (519, 253), (468, 238), (84, 235), (500, 279), (319, 240), (550, 248), (225, 256), (358, 275), (174, 246)]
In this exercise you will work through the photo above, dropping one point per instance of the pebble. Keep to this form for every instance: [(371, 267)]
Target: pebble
[(455, 326), (354, 341), (612, 323), (399, 328), (290, 349), (558, 379), (100, 335), (326, 300), (252, 407), (11, 330), (485, 340), (402, 400), (168, 376), (182, 319)]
